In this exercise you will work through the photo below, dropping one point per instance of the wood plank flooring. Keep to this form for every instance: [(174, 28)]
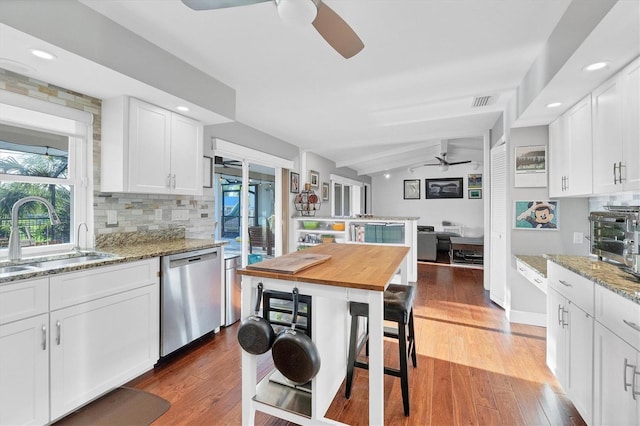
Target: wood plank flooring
[(474, 368)]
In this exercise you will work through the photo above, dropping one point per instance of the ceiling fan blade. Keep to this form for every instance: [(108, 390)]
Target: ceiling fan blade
[(218, 4), (459, 162), (428, 164), (337, 32)]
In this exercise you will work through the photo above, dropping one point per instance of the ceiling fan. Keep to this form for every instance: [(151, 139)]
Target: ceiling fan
[(328, 23), (442, 159)]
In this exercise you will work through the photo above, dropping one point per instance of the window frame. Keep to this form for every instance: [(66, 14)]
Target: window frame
[(23, 111)]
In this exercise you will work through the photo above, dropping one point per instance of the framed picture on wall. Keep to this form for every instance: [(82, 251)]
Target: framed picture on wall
[(294, 183), (474, 181), (412, 189), (314, 178), (538, 215), (325, 191), (443, 188), (531, 166), (475, 194)]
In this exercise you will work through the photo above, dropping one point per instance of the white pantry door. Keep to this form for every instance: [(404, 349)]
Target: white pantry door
[(498, 264)]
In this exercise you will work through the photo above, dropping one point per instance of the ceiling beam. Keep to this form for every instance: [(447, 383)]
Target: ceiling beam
[(385, 154)]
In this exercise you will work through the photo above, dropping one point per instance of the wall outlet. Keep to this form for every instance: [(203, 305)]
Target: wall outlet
[(112, 217), (158, 213), (179, 214), (578, 238)]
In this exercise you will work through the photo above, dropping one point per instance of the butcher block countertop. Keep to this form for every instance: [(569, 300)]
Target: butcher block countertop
[(362, 266)]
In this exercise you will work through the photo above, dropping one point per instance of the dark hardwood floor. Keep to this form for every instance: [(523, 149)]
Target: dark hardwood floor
[(474, 367)]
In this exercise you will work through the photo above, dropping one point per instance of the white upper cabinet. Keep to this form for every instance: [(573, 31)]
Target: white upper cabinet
[(616, 132), (147, 149), (570, 152)]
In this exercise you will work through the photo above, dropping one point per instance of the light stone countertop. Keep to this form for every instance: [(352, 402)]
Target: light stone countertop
[(117, 254), (537, 263)]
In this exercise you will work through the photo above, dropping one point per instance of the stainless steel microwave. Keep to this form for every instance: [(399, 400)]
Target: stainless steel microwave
[(614, 234)]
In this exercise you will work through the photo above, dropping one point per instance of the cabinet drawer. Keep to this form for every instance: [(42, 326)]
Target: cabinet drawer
[(574, 287), (620, 315), (23, 299), (79, 287), (533, 276)]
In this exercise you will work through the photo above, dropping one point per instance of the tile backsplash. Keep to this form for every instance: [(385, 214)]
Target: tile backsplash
[(620, 199), (135, 212)]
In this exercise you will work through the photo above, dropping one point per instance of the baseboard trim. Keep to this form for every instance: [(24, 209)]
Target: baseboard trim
[(529, 318)]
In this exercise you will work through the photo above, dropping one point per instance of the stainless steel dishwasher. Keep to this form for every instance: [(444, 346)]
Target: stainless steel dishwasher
[(191, 297)]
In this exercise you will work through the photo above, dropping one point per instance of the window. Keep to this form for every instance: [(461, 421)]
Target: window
[(44, 155), (346, 196)]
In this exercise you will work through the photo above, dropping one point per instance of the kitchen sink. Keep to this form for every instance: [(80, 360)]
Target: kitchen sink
[(55, 263), (12, 269)]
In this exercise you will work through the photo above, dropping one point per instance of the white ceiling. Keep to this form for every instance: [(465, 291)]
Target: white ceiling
[(390, 105)]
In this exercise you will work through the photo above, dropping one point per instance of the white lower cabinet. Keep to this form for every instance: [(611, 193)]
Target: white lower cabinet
[(24, 372), (570, 335), (616, 360), (93, 330), (617, 371)]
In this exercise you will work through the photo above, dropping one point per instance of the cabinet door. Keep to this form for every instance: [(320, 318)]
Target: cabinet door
[(580, 361), (149, 148), (631, 126), (579, 160), (186, 156), (614, 364), (557, 321), (24, 372), (98, 345), (558, 155), (607, 136)]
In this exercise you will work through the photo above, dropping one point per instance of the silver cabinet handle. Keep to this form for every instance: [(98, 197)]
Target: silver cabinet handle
[(636, 373), (169, 180), (538, 280), (564, 283), (560, 315), (44, 337), (620, 166), (615, 177), (174, 181), (624, 375), (566, 182), (564, 323), (58, 325), (633, 325)]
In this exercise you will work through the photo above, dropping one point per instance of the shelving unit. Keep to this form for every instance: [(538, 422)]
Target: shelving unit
[(399, 231)]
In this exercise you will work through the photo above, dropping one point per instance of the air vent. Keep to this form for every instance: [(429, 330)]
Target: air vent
[(480, 101)]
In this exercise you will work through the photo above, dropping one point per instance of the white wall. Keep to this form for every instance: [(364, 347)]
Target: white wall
[(388, 199)]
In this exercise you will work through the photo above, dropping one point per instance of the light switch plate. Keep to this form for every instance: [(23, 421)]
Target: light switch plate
[(578, 238), (112, 217)]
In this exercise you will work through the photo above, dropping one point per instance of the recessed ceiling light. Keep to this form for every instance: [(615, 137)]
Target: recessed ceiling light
[(182, 108), (554, 104), (596, 66), (387, 175), (42, 54)]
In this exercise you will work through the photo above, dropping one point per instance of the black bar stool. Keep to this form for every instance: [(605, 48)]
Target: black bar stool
[(398, 308)]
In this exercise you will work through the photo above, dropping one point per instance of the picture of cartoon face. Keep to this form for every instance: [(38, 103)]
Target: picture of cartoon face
[(543, 215)]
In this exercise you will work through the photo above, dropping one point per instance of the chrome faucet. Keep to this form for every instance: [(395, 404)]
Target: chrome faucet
[(86, 230), (15, 252)]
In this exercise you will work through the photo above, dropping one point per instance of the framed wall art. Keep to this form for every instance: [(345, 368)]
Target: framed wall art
[(314, 178), (443, 188), (531, 166), (294, 183), (412, 189), (475, 193), (207, 176), (540, 215), (325, 191), (474, 181)]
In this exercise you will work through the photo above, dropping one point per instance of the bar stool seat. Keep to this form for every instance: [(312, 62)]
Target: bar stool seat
[(398, 308)]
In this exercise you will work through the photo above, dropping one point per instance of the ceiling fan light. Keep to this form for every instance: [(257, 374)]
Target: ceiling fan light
[(297, 12)]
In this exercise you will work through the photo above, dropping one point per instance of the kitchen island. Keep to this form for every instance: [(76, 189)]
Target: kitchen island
[(358, 273)]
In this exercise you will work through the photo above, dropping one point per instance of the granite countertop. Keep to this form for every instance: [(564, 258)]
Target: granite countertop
[(114, 255), (339, 219), (537, 263), (602, 273)]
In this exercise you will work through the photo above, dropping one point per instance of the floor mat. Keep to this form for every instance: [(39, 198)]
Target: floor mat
[(121, 407)]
